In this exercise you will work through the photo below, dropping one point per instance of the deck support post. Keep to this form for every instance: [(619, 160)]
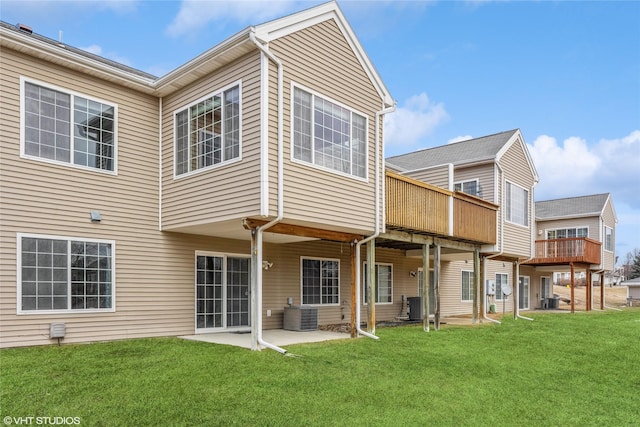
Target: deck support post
[(589, 289), (371, 287), (476, 285), (573, 293), (424, 285), (483, 290), (254, 290), (353, 328), (436, 287), (602, 290), (516, 289)]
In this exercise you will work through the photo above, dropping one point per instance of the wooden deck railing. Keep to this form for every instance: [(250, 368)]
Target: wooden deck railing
[(415, 206), (474, 219), (564, 251)]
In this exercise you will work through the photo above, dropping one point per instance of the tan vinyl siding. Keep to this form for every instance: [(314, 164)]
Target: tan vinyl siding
[(608, 219), (223, 192), (438, 176), (517, 239), (592, 223), (483, 173), (320, 59)]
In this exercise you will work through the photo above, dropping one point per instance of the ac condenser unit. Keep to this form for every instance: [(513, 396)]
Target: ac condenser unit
[(300, 318)]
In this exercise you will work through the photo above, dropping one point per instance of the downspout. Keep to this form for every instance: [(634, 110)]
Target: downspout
[(484, 260), (378, 178), (278, 218), (160, 164)]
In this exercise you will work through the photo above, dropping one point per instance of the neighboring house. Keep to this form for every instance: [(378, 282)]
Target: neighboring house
[(575, 238), (208, 199), (497, 168)]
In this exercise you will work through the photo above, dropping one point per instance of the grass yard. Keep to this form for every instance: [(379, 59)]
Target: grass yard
[(559, 370)]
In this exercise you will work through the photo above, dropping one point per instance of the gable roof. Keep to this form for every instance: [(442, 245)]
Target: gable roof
[(572, 207), (219, 55), (485, 149)]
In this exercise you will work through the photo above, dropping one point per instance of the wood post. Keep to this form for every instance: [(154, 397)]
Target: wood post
[(371, 287), (476, 285), (589, 289), (354, 301), (436, 287), (602, 290), (516, 290), (483, 290), (573, 293), (424, 284)]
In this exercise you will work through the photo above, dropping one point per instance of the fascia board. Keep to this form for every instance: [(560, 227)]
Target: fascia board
[(44, 50), (565, 217), (517, 136), (296, 22)]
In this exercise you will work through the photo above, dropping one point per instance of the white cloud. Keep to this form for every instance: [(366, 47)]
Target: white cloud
[(577, 168), (459, 139), (97, 50), (195, 14), (417, 118)]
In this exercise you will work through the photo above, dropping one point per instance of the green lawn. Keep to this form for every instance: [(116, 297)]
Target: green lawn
[(559, 370)]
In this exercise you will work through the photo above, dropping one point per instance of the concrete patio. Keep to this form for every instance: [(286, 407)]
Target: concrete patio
[(278, 337)]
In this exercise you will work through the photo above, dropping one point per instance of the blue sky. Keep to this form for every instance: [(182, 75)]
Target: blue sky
[(567, 73)]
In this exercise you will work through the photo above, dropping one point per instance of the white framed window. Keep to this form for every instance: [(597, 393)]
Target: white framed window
[(467, 285), (517, 204), (65, 127), (501, 280), (328, 135), (471, 186), (384, 283), (564, 233), (320, 281), (608, 238), (208, 131), (63, 274), (523, 292), (545, 287)]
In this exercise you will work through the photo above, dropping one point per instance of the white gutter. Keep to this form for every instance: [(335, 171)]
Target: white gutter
[(278, 218), (378, 178)]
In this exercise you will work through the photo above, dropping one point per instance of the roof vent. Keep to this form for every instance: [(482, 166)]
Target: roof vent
[(24, 28)]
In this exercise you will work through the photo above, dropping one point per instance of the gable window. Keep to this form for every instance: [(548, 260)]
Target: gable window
[(207, 132), (467, 285), (384, 283), (469, 187), (517, 204), (65, 127), (320, 281), (608, 239), (564, 233), (328, 135), (61, 274), (501, 280)]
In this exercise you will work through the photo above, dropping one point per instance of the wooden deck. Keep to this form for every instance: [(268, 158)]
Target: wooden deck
[(565, 251), (417, 207)]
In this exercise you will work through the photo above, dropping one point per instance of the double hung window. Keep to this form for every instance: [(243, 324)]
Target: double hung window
[(329, 135), (207, 132), (64, 274), (467, 285), (320, 281), (65, 127), (517, 204)]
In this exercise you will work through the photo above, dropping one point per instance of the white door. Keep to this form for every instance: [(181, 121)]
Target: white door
[(222, 292)]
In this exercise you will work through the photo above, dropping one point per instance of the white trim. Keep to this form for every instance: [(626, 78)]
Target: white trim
[(311, 258), (547, 230), (224, 256), (529, 195), (68, 239), (312, 164), (517, 136), (528, 307), (219, 91), (160, 170), (72, 94), (470, 286), (464, 181), (604, 240)]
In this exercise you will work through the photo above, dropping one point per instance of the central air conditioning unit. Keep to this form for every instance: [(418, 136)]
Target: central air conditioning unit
[(300, 318)]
